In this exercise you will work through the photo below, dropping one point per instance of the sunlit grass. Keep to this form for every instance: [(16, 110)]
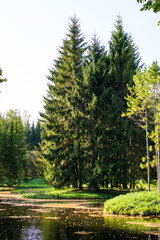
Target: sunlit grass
[(37, 189), (64, 194), (138, 203), (33, 183), (5, 189)]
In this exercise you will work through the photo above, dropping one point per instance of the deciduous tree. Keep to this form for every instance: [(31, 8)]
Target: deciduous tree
[(150, 4)]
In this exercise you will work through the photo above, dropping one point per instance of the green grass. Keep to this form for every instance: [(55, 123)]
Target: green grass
[(3, 189), (138, 203), (64, 194), (33, 183), (141, 203), (37, 189)]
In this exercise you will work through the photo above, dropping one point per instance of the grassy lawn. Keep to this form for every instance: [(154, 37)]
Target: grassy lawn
[(37, 189), (141, 203)]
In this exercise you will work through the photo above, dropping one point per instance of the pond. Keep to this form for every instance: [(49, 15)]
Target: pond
[(64, 220)]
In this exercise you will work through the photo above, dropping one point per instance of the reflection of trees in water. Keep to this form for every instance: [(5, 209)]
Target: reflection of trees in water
[(21, 223), (156, 233), (31, 233)]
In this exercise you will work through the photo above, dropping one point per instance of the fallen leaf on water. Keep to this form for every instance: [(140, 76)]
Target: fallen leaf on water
[(146, 224), (94, 215), (18, 216), (83, 233), (153, 233), (56, 218), (40, 210)]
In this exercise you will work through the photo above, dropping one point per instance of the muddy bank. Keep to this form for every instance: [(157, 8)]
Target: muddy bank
[(82, 204)]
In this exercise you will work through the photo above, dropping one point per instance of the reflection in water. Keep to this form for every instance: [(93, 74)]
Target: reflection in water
[(26, 223), (149, 236), (31, 233)]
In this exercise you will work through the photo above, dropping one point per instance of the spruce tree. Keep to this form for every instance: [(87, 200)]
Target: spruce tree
[(27, 133), (61, 144), (96, 92), (38, 131), (21, 151), (12, 165), (124, 60), (15, 150), (2, 149)]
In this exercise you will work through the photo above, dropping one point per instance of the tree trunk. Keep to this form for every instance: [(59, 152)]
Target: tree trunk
[(158, 161), (147, 148), (80, 174), (75, 185)]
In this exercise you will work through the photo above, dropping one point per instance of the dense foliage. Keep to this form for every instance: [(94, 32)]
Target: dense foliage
[(85, 139), (150, 4), (32, 134), (17, 148), (13, 149), (139, 203), (143, 102)]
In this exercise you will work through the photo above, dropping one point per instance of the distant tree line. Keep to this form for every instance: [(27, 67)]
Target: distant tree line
[(16, 142), (32, 134), (13, 150), (85, 139)]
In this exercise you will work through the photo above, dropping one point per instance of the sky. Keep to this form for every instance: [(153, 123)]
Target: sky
[(32, 31)]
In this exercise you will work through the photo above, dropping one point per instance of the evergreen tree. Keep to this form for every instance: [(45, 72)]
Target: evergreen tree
[(124, 60), (96, 99), (14, 158), (27, 133), (33, 138), (61, 145), (38, 131), (21, 151), (3, 132), (32, 134), (84, 135)]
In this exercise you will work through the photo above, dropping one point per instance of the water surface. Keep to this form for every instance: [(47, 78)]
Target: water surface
[(21, 220)]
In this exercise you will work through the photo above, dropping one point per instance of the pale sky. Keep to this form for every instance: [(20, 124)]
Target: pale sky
[(32, 30)]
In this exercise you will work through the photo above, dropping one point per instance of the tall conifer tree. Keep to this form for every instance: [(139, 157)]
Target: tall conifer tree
[(61, 145), (15, 151), (124, 60), (95, 75)]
